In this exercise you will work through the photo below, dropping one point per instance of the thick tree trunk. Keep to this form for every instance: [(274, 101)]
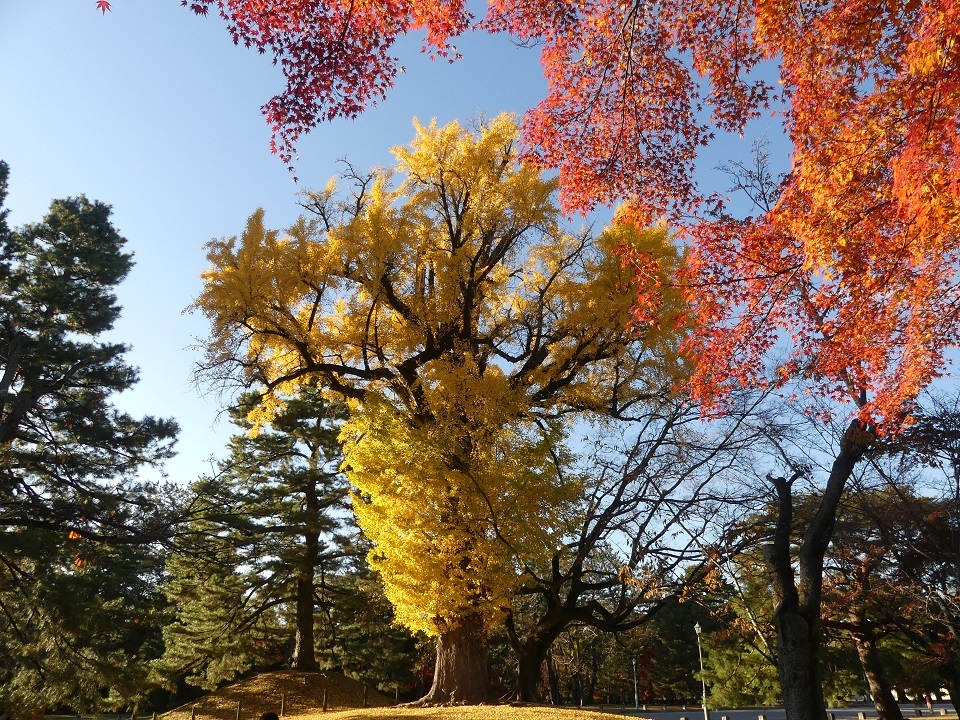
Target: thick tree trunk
[(461, 676), (798, 665), (529, 665), (798, 596), (797, 636), (880, 689), (531, 654)]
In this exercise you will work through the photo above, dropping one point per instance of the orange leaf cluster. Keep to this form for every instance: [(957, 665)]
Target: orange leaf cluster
[(854, 270)]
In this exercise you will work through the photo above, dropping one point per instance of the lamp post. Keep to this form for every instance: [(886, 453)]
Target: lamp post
[(636, 696), (703, 681)]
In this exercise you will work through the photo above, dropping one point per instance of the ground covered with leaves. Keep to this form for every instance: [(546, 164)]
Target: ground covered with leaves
[(302, 697), (467, 712)]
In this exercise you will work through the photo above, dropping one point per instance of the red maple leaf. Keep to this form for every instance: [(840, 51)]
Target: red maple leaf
[(103, 6)]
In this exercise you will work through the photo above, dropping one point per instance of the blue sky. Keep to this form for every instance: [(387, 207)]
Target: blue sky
[(153, 110)]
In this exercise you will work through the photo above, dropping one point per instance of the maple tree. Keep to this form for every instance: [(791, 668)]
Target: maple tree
[(851, 259), (463, 325)]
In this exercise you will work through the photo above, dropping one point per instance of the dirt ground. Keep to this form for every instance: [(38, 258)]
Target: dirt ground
[(295, 693)]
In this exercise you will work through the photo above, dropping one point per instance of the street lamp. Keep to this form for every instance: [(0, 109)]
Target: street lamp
[(703, 681), (636, 697)]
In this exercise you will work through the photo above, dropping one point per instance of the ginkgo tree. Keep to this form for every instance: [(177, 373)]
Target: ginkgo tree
[(465, 328)]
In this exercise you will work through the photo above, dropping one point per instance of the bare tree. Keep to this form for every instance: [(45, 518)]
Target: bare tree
[(638, 541)]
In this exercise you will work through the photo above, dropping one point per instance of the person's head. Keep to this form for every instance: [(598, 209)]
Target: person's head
[(269, 716)]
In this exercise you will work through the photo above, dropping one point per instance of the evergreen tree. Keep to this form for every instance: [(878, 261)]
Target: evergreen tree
[(266, 541), (79, 626), (740, 662), (359, 637), (220, 627), (78, 532)]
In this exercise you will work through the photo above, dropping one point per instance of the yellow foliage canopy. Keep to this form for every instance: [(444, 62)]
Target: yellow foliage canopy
[(465, 326)]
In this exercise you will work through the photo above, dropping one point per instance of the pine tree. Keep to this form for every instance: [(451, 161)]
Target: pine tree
[(265, 541), (79, 532), (358, 634)]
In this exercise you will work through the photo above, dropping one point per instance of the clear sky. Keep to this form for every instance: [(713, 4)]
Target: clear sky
[(152, 109)]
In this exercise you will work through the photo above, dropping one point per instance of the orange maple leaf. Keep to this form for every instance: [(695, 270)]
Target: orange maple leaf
[(103, 6)]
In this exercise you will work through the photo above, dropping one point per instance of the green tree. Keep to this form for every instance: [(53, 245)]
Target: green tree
[(928, 548), (740, 660), (79, 532), (81, 623), (266, 538), (218, 628), (359, 635)]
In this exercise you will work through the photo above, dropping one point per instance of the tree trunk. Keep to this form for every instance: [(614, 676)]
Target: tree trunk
[(529, 663), (531, 654), (880, 690), (952, 676), (554, 680), (304, 652), (461, 676), (592, 685), (304, 657), (798, 596), (797, 638)]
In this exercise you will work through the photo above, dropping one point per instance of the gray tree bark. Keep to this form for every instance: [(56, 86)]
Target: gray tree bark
[(797, 595)]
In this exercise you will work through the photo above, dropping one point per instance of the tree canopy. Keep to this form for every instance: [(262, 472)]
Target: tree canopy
[(853, 257), (71, 503), (464, 325)]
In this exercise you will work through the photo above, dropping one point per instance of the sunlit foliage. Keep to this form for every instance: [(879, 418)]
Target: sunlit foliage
[(465, 326)]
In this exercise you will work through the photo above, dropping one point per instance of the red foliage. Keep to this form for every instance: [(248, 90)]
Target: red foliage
[(854, 270), (103, 6), (335, 54)]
